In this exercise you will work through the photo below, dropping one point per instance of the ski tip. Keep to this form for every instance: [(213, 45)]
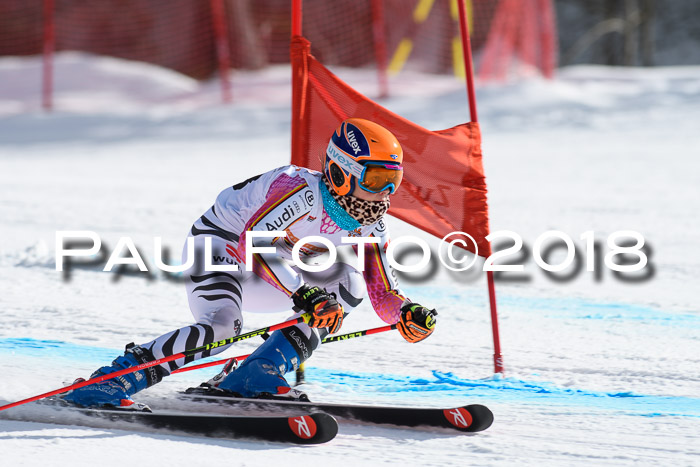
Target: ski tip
[(482, 417), (314, 428), (470, 418)]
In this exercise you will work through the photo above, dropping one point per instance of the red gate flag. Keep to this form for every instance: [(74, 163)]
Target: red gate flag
[(443, 188)]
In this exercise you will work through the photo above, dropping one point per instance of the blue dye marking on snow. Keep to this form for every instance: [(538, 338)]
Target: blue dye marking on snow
[(88, 355), (56, 350), (441, 388), (445, 387), (585, 309), (563, 307)]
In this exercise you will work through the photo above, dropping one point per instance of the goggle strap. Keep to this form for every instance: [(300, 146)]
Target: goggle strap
[(344, 161)]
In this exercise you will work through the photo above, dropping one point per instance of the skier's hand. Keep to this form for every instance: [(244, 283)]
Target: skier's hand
[(325, 310), (416, 322)]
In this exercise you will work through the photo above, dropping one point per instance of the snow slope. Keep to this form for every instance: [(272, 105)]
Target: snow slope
[(601, 372)]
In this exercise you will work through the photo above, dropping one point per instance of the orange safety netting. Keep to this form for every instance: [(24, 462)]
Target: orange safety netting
[(443, 190)]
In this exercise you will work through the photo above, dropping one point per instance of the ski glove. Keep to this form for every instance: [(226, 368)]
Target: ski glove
[(416, 322), (325, 310)]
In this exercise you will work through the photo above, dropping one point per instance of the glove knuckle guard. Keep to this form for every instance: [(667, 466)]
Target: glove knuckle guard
[(416, 322)]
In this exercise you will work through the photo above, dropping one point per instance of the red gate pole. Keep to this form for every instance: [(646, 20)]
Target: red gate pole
[(218, 16), (298, 79), (296, 18), (548, 40), (467, 53), (497, 357), (380, 46), (469, 72), (49, 47)]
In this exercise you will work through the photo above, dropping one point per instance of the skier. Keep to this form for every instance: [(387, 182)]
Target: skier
[(363, 167)]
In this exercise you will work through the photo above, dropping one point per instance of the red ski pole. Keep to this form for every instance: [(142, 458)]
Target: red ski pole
[(341, 337), (186, 353)]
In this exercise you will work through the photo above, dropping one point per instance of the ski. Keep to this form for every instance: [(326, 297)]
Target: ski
[(305, 428), (468, 418)]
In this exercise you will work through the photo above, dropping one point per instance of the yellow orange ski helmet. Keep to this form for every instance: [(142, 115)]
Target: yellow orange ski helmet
[(363, 150)]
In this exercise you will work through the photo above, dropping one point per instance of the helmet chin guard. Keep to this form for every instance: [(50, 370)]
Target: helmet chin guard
[(363, 150)]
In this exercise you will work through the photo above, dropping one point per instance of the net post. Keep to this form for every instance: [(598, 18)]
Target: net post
[(218, 15), (380, 46), (548, 38), (49, 45)]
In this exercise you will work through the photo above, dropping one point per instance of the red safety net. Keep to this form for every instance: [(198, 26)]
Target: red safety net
[(443, 190), (203, 38), (418, 35), (176, 34), (522, 32)]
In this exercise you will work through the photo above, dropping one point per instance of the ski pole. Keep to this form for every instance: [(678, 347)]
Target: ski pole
[(208, 364), (352, 335), (187, 353), (341, 337)]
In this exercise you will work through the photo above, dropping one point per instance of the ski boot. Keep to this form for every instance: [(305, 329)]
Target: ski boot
[(116, 393), (261, 375)]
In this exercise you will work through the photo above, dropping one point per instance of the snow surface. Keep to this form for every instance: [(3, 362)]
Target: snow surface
[(598, 372)]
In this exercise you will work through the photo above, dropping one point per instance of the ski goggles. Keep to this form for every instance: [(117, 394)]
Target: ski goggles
[(372, 176)]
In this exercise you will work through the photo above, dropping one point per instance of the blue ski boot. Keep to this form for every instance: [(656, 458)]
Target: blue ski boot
[(261, 375), (117, 392)]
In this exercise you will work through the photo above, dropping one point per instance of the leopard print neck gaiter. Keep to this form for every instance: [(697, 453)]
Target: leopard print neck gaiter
[(363, 211)]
